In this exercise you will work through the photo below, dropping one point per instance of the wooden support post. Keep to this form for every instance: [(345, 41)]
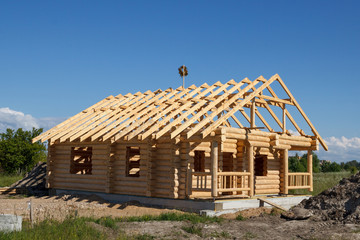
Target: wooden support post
[(252, 115), (286, 171), (250, 152), (310, 168), (284, 120), (214, 168), (189, 181)]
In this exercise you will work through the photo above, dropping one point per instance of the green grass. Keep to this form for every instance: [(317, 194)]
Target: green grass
[(221, 235), (193, 218), (193, 229), (6, 180), (107, 222), (240, 217), (78, 228), (71, 228), (323, 181)]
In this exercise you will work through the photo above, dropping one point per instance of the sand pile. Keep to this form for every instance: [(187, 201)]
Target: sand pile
[(34, 181), (340, 203)]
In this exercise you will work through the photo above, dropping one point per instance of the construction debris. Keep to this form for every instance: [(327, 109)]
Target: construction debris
[(340, 203)]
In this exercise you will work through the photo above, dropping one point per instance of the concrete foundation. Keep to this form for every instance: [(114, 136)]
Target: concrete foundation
[(207, 207), (9, 223)]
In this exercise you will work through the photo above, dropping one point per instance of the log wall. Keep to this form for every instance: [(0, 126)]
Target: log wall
[(123, 184), (269, 184), (59, 175), (164, 174)]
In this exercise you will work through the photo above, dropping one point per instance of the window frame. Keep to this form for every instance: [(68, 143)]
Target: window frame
[(77, 154), (263, 159), (199, 161), (131, 152)]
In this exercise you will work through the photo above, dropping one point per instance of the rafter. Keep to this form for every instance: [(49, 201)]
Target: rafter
[(237, 107), (194, 109)]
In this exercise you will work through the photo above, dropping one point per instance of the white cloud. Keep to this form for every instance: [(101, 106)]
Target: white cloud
[(13, 119), (341, 149), (294, 132)]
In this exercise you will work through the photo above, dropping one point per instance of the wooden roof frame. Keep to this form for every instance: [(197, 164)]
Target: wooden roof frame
[(172, 111)]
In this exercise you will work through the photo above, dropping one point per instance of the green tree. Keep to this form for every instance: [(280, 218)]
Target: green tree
[(17, 152), (297, 164)]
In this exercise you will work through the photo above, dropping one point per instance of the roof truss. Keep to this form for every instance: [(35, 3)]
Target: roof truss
[(194, 109)]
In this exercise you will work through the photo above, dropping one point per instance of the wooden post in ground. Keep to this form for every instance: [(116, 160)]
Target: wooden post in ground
[(250, 153), (286, 171), (214, 168), (310, 168)]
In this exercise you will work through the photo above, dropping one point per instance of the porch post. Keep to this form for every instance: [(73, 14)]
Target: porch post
[(286, 171), (310, 168), (250, 153), (214, 168)]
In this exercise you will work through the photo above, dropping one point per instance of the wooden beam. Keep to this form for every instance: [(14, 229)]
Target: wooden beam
[(234, 109), (96, 129), (125, 120), (83, 126), (292, 120), (201, 112), (81, 123), (149, 113), (252, 115), (303, 114), (226, 104), (214, 168), (286, 171), (250, 156), (284, 120), (263, 200), (310, 169), (172, 115), (262, 119), (275, 99), (161, 113)]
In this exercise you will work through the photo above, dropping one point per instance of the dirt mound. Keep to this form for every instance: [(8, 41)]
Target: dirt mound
[(340, 203), (34, 181)]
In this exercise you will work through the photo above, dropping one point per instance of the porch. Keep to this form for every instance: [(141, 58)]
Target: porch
[(217, 184)]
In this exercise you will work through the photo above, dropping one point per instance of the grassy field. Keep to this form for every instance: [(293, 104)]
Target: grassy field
[(80, 228), (323, 181), (6, 180)]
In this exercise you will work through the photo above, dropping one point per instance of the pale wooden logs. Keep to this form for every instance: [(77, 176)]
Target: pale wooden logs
[(214, 168), (286, 170), (61, 159), (263, 191), (310, 168), (251, 169), (79, 186)]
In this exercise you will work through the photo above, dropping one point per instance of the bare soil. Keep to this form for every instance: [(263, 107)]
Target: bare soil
[(340, 203), (260, 223)]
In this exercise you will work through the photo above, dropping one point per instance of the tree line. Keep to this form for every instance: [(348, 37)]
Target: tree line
[(299, 164), (18, 153)]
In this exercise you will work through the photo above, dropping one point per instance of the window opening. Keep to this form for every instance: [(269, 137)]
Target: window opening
[(132, 161), (199, 161), (260, 165), (81, 160)]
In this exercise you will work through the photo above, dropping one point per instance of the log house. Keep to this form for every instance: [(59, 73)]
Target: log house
[(183, 143)]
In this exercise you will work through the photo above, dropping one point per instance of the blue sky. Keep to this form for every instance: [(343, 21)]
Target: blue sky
[(59, 57)]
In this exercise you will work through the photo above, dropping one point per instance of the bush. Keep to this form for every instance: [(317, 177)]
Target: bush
[(18, 153)]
